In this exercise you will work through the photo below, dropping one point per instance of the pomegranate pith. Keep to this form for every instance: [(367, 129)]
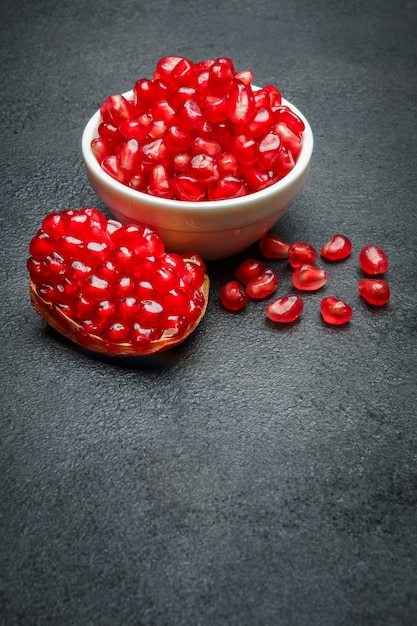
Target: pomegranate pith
[(112, 288)]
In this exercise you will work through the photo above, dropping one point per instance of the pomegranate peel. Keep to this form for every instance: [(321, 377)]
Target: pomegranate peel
[(73, 331), (112, 288)]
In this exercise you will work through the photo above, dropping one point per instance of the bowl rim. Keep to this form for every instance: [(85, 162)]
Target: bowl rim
[(215, 206)]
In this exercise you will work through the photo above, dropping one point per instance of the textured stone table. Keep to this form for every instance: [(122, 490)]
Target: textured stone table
[(255, 476)]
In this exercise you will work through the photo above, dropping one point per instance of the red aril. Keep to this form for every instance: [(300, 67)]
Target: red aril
[(375, 291), (373, 260), (274, 247), (302, 253), (309, 278), (233, 296), (262, 285), (285, 310), (204, 108), (339, 247), (111, 287), (335, 311), (248, 269)]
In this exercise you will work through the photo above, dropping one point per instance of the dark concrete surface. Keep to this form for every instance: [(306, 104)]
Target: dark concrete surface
[(255, 476)]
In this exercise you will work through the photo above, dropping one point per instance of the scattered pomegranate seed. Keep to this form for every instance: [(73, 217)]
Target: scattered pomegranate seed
[(285, 310), (309, 278), (233, 296), (263, 285), (249, 269), (373, 260), (302, 253), (335, 311), (375, 291), (188, 109), (112, 287), (338, 248), (274, 247)]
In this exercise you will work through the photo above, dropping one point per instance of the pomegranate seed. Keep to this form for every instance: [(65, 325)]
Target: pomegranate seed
[(269, 151), (338, 248), (248, 269), (221, 76), (285, 115), (274, 247), (241, 103), (263, 285), (285, 310), (260, 123), (112, 287), (335, 311), (233, 296), (302, 253), (188, 188), (177, 139), (118, 108), (257, 178), (215, 107), (245, 149), (190, 115), (183, 75), (205, 108), (375, 291), (373, 260), (145, 93), (226, 188), (204, 168), (159, 183), (164, 68), (309, 278)]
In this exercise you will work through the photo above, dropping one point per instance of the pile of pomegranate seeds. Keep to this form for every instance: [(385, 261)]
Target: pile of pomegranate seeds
[(255, 281), (112, 287), (198, 131)]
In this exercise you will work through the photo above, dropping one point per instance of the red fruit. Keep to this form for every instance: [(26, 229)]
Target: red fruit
[(274, 247), (249, 269), (309, 278), (233, 296), (338, 248), (373, 260), (375, 291), (284, 310), (188, 188), (113, 288), (263, 285), (189, 109), (301, 253), (241, 103), (335, 311)]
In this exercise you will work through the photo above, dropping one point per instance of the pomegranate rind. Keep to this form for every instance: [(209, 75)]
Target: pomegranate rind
[(67, 327)]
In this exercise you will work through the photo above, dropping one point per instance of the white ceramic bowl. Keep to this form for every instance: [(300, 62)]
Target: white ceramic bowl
[(214, 230)]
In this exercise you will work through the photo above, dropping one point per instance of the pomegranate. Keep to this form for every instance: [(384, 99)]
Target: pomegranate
[(113, 288), (198, 131), (373, 260), (335, 311)]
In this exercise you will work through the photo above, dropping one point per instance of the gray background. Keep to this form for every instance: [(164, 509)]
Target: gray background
[(255, 475)]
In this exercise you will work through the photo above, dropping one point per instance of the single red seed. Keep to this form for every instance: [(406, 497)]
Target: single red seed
[(233, 296), (188, 188), (248, 269), (285, 310), (302, 253), (375, 291), (335, 311), (338, 248), (263, 285), (373, 260), (241, 103), (273, 247), (227, 187), (309, 278)]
